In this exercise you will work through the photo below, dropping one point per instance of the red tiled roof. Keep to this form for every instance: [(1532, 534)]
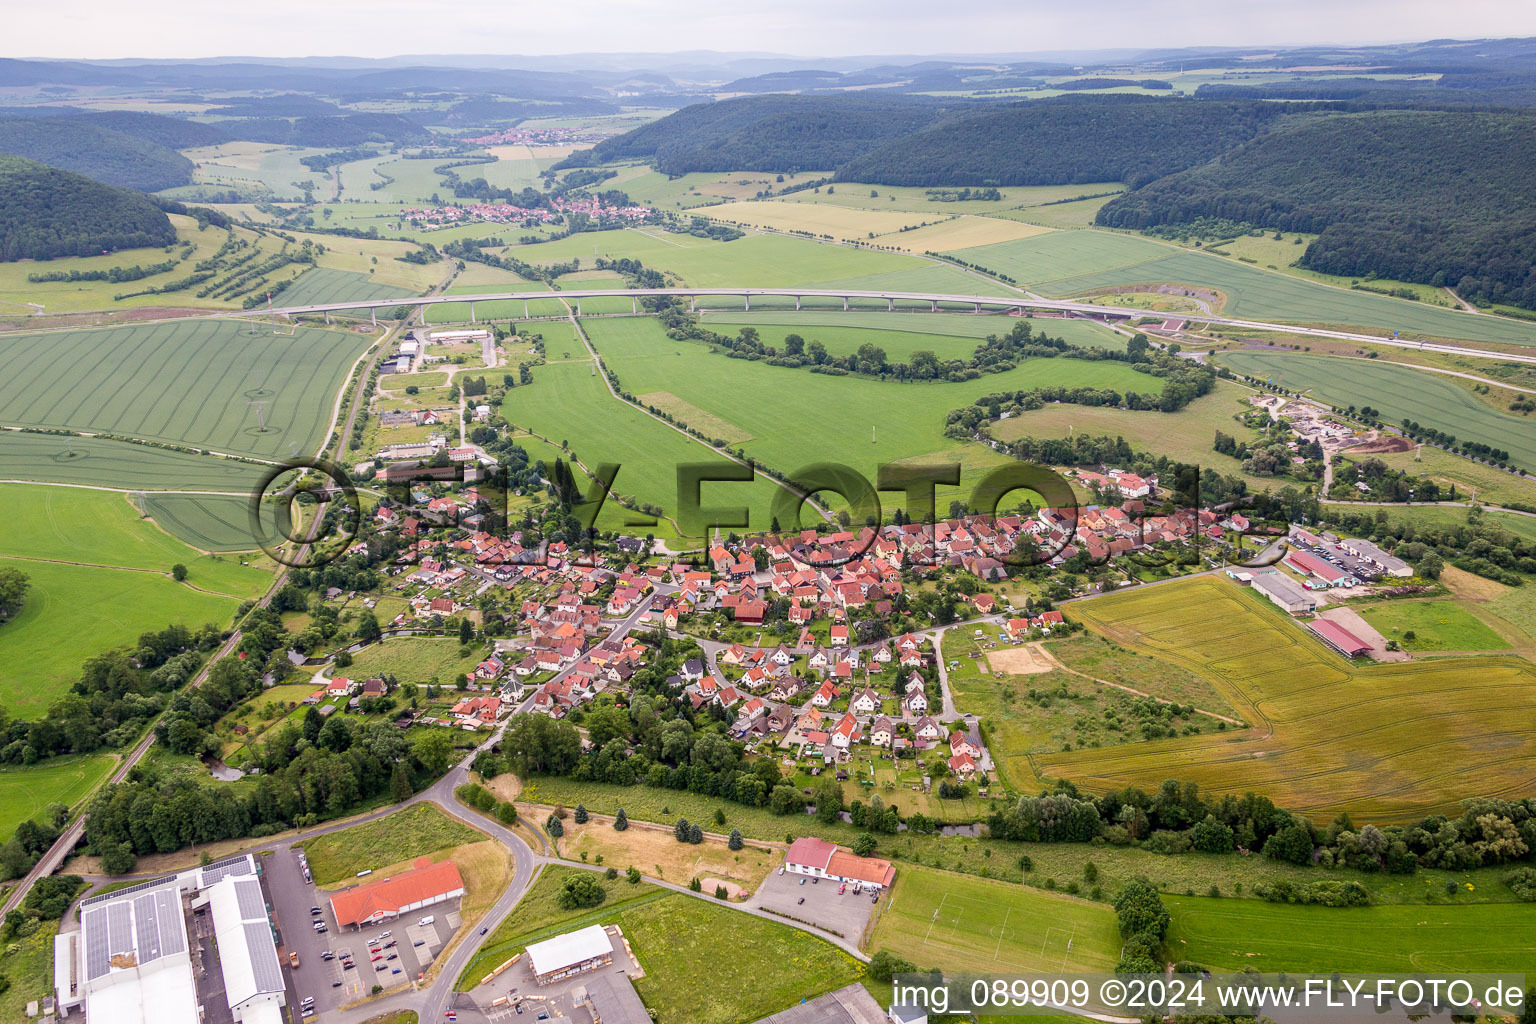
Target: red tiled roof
[(384, 898)]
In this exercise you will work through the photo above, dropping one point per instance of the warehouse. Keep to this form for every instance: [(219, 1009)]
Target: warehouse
[(1339, 638), (1387, 565), (253, 978), (425, 885), (1283, 592), (568, 955), (1309, 564)]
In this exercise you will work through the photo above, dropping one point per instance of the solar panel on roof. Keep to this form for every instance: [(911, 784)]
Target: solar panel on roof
[(264, 968), (146, 928), (94, 925), (248, 897), (172, 935), (224, 869), (119, 928)]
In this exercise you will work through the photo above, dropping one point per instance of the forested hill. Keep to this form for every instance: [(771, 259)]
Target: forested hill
[(1436, 197), (97, 152), (767, 133), (170, 132), (48, 213), (1064, 142)]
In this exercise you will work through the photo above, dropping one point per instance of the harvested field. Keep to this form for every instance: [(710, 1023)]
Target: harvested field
[(695, 417), (1031, 659)]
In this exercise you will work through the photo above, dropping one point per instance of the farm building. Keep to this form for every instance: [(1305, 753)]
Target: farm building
[(821, 859), (1283, 592), (1309, 564), (424, 885), (1339, 638), (568, 955), (1390, 565), (448, 337)]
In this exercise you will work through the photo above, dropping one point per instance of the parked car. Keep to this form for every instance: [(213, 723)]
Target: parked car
[(802, 881), (842, 888), (293, 958), (800, 900)]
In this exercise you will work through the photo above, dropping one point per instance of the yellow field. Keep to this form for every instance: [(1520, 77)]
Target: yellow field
[(695, 417), (961, 233), (1385, 743)]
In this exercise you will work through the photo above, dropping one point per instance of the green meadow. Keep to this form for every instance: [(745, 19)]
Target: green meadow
[(75, 612), (101, 462), (1398, 392), (321, 284), (208, 522), (25, 792)]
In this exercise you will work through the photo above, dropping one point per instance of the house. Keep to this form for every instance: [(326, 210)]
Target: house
[(821, 859), (692, 671), (963, 743), (341, 686), (927, 729), (881, 732), (865, 702), (1018, 629), (845, 733), (785, 688), (825, 695), (962, 765), (915, 704), (915, 683), (476, 711)]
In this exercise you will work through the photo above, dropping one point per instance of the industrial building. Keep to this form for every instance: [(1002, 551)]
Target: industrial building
[(568, 955), (821, 859), (147, 954), (1388, 565), (1321, 569), (1281, 590), (425, 885)]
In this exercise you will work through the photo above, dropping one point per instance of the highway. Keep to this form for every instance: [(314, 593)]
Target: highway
[(934, 299)]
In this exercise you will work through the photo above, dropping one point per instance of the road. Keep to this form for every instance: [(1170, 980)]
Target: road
[(977, 302)]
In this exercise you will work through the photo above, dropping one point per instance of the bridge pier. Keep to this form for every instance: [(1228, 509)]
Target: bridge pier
[(578, 307), (935, 306), (693, 302), (525, 309), (373, 315), (634, 305), (845, 303), (797, 303), (748, 300), (327, 316), (472, 314), (890, 305), (978, 308)]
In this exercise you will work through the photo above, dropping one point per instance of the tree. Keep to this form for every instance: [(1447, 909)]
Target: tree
[(1292, 843), (506, 812), (581, 815), (694, 885), (632, 875), (864, 844), (579, 891), (13, 591), (719, 816), (1139, 908), (1211, 836), (620, 821), (695, 834), (680, 830), (554, 827), (400, 788), (179, 573), (466, 631), (885, 965), (434, 749), (829, 800), (368, 627), (721, 893), (734, 842)]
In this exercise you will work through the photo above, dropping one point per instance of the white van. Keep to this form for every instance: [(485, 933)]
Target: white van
[(428, 919)]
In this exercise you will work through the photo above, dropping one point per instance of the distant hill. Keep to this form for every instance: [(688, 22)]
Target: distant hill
[(1063, 142), (101, 153), (1430, 196), (767, 133), (330, 132), (170, 132), (46, 212)]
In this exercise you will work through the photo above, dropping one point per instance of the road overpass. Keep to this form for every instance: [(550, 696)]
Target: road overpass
[(935, 301)]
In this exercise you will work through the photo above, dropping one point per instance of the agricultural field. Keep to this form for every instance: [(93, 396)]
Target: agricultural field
[(916, 199), (908, 231), (414, 659), (962, 923), (228, 386), (100, 462), (259, 167), (75, 612), (646, 361), (950, 336), (415, 831), (70, 524), (1234, 935), (1186, 435), (320, 285), (1435, 625), (1398, 392), (1385, 743), (25, 792), (1472, 480), (1078, 263), (208, 522)]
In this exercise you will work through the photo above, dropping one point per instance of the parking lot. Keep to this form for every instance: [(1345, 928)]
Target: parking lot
[(404, 948), (823, 906)]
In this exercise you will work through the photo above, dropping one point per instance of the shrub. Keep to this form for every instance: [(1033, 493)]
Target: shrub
[(1522, 882), (580, 891)]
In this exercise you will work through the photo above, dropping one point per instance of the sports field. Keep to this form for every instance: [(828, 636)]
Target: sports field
[(1383, 742), (797, 417), (228, 386), (1398, 392), (1232, 935), (964, 923), (70, 524), (73, 613), (25, 792)]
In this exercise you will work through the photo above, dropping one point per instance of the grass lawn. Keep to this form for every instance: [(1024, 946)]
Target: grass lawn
[(29, 969), (963, 923), (1436, 625), (415, 831), (1399, 392), (71, 524), (1230, 935), (24, 792), (189, 382), (73, 613), (658, 854), (1384, 742), (416, 659)]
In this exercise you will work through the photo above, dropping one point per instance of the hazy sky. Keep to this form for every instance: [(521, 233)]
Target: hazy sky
[(379, 28)]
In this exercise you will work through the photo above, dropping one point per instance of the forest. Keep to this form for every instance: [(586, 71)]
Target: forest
[(49, 213), (97, 152), (1430, 196)]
